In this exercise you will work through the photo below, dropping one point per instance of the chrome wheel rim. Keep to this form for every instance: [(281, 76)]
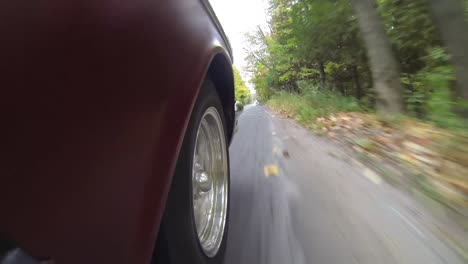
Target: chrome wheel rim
[(210, 182)]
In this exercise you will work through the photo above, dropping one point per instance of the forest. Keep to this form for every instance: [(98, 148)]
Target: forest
[(392, 57)]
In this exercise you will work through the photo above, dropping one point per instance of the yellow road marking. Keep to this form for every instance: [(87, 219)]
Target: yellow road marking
[(271, 170)]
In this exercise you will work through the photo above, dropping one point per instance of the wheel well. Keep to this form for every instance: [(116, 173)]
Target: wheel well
[(220, 73)]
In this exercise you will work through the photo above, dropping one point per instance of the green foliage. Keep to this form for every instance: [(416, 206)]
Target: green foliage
[(242, 93), (303, 36), (410, 27), (432, 91), (438, 77), (313, 49)]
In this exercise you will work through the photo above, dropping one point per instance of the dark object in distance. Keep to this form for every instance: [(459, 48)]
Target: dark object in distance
[(238, 106)]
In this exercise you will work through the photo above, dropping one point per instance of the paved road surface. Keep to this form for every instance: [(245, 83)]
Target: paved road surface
[(321, 207)]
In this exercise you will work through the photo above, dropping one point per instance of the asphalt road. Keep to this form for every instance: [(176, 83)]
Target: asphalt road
[(298, 198)]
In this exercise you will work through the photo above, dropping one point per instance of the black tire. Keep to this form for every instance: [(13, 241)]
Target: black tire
[(178, 240)]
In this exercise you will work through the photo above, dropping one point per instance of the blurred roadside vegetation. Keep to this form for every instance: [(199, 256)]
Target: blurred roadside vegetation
[(311, 103), (317, 45)]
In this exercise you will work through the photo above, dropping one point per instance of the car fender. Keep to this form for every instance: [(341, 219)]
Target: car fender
[(97, 96)]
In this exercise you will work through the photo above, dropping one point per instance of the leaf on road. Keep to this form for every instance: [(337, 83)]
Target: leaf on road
[(271, 170)]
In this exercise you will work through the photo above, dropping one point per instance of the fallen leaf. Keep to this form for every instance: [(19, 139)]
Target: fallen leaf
[(271, 170)]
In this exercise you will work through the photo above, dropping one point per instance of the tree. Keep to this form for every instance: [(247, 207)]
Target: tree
[(282, 45), (317, 27), (384, 67), (242, 93), (451, 22)]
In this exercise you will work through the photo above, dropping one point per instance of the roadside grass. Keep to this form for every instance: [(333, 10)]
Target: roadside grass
[(308, 106)]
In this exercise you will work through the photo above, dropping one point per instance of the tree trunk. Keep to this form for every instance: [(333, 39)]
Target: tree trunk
[(384, 67), (450, 20), (323, 77), (357, 83)]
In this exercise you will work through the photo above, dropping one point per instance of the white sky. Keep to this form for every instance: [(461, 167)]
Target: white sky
[(238, 17)]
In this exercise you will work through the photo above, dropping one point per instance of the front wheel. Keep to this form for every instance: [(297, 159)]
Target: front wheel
[(194, 226)]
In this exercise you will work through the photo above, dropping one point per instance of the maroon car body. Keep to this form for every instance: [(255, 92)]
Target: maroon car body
[(96, 97)]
